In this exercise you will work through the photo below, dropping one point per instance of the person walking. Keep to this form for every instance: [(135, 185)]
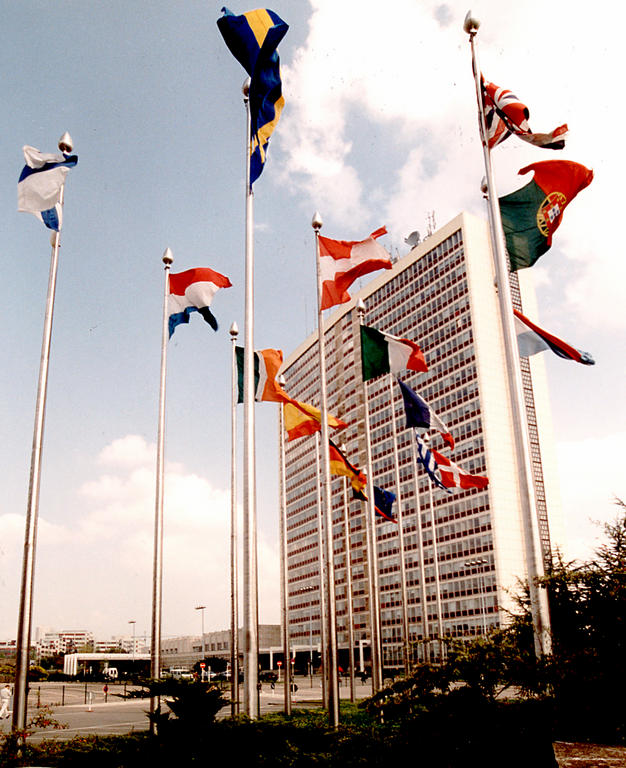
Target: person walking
[(5, 698)]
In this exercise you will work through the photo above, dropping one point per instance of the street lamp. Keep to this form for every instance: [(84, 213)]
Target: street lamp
[(133, 622), (201, 609), (480, 563)]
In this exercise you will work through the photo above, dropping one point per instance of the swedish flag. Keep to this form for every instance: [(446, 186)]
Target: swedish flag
[(253, 39)]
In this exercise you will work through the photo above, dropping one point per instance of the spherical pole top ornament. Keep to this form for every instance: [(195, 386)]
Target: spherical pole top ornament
[(245, 88), (281, 381), (484, 188), (168, 257), (316, 221), (471, 24), (234, 330), (360, 307), (66, 145)]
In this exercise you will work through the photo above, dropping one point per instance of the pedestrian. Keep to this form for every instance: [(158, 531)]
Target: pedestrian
[(5, 697)]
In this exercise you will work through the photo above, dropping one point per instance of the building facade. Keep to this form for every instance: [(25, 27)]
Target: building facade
[(462, 550)]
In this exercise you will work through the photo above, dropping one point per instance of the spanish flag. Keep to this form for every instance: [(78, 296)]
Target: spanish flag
[(303, 419), (339, 465)]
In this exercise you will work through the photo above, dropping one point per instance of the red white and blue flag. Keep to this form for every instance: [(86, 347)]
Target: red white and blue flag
[(193, 291), (445, 473), (383, 503), (532, 339), (505, 114)]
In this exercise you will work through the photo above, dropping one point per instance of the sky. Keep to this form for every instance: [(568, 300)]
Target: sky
[(379, 127)]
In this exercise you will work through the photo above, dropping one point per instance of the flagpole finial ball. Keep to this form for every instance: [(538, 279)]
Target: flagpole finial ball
[(316, 221), (245, 88), (360, 307), (484, 187), (471, 24), (168, 257), (281, 380), (234, 330), (66, 145)]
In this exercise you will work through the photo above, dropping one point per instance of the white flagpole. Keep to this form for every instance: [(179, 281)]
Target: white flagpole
[(234, 575), (420, 548), (403, 587), (284, 580), (346, 538), (20, 695), (320, 549), (532, 544), (250, 565), (157, 566), (333, 686), (372, 544)]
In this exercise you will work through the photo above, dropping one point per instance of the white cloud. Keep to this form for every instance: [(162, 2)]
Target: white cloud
[(96, 571), (592, 476)]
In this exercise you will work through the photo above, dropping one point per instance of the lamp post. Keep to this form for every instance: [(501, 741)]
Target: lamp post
[(133, 622), (201, 609), (480, 563)]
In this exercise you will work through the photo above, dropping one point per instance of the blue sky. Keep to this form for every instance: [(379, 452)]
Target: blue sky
[(379, 128)]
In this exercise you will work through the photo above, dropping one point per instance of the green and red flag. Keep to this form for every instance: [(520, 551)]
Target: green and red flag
[(531, 214)]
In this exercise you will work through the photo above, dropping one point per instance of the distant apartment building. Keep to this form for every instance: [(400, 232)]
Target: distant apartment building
[(51, 643), (463, 550)]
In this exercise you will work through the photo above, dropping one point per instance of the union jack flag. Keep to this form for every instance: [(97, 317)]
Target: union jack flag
[(505, 114), (445, 473)]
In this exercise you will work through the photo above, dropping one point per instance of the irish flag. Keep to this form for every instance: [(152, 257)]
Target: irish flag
[(532, 214), (383, 353), (267, 363), (193, 291), (342, 261)]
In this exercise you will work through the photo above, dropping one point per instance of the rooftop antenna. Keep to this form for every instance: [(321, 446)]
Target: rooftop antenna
[(431, 223)]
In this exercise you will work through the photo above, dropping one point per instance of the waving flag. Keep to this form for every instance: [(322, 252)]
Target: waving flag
[(445, 473), (420, 415), (383, 503), (253, 40), (505, 114), (193, 291), (532, 339), (343, 261), (40, 183), (302, 419), (383, 353), (267, 363), (339, 465), (531, 214)]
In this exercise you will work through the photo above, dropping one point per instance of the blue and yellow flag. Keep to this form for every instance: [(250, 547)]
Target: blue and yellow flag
[(253, 40)]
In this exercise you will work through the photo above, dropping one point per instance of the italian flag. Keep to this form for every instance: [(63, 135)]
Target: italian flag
[(383, 353), (531, 214)]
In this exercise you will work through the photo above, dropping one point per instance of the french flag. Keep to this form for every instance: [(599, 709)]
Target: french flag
[(532, 339), (193, 291)]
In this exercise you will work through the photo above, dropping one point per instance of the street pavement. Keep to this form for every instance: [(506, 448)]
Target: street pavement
[(106, 713)]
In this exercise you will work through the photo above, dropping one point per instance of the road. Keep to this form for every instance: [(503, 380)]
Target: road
[(109, 714)]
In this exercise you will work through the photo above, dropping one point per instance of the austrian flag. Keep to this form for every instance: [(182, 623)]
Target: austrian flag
[(343, 261), (193, 291)]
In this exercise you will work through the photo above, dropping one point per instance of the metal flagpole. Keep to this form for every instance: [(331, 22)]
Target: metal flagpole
[(157, 567), (250, 566), (435, 562), (405, 599), (234, 575), (320, 549), (372, 544), (420, 546), (284, 582), (532, 545), (20, 695), (333, 687), (346, 533)]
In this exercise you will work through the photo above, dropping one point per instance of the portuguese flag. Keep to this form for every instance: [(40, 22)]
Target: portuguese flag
[(531, 214)]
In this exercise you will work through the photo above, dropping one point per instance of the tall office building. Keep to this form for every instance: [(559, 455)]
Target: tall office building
[(462, 550)]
